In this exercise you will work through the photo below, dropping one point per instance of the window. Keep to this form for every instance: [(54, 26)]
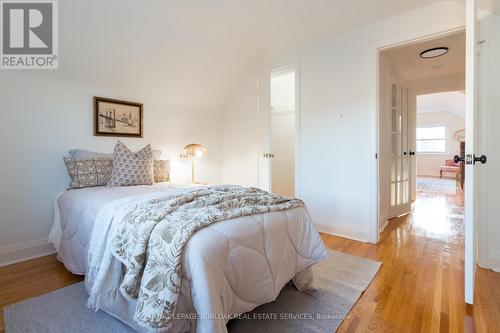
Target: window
[(431, 139)]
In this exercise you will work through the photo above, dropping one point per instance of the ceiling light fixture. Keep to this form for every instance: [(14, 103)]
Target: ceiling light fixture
[(434, 52)]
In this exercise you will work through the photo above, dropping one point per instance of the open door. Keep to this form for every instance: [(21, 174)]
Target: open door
[(470, 189), (263, 115), (278, 127), (472, 156), (283, 126), (400, 163)]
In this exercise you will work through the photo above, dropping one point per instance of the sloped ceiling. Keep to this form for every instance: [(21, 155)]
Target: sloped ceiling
[(193, 53), (453, 102)]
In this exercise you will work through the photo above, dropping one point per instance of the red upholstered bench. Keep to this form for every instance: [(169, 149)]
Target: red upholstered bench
[(451, 167)]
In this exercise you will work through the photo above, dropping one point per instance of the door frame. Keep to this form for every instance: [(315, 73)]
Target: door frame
[(376, 200), (295, 66)]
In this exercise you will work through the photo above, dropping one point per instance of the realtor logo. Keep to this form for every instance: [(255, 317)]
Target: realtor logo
[(29, 34)]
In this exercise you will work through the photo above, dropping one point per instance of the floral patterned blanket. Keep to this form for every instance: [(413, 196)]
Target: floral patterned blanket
[(149, 241)]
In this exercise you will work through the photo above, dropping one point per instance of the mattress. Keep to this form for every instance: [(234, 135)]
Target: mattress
[(77, 210), (231, 266)]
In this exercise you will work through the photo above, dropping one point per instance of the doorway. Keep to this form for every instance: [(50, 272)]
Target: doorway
[(412, 75), (440, 137), (419, 82), (480, 198), (283, 130)]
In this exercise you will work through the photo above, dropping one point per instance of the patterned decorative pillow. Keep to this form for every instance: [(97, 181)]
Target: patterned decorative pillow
[(131, 169), (162, 171), (87, 173)]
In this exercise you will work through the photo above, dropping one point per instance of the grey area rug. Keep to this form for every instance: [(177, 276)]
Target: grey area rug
[(342, 279), (437, 185)]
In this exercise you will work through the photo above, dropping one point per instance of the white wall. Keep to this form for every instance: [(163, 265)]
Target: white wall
[(103, 52), (489, 143), (428, 164), (338, 108), (239, 136)]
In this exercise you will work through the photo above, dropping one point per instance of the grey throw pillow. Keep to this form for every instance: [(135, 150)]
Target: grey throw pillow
[(89, 172), (83, 154), (162, 171), (131, 169)]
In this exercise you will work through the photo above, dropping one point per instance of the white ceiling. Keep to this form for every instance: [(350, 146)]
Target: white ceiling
[(453, 102), (194, 53), (409, 66)]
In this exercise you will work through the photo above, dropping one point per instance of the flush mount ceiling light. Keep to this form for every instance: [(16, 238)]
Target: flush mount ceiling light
[(434, 52)]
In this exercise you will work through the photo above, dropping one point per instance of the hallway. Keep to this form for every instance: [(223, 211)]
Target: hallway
[(420, 285)]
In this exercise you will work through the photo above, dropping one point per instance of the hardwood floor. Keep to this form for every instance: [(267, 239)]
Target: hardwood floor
[(419, 287), (30, 279)]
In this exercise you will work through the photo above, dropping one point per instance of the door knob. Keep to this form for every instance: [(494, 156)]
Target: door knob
[(412, 153), (481, 159), (405, 153), (458, 159)]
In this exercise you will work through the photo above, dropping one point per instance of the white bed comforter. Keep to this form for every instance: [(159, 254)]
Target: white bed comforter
[(230, 267)]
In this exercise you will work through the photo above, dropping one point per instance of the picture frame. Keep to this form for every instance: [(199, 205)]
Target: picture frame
[(118, 118)]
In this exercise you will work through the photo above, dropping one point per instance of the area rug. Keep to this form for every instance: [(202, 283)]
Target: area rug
[(437, 185), (342, 279)]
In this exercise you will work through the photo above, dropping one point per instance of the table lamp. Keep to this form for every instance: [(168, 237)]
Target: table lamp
[(193, 151)]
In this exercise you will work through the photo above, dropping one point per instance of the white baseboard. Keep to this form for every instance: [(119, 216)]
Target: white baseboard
[(342, 230), (11, 254), (492, 262)]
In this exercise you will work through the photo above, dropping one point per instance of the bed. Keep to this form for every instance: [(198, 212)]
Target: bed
[(229, 267)]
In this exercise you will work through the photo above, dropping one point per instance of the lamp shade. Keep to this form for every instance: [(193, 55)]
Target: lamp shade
[(194, 150)]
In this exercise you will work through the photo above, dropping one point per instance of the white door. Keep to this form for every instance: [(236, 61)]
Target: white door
[(283, 130), (264, 108), (470, 189), (400, 163), (473, 157), (278, 126)]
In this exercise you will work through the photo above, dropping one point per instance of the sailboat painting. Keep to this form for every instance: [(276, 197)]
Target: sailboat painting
[(117, 118)]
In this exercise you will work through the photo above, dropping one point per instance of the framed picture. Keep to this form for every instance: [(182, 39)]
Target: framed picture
[(117, 118)]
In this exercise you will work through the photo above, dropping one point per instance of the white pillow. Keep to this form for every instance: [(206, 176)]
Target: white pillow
[(131, 169), (81, 154)]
